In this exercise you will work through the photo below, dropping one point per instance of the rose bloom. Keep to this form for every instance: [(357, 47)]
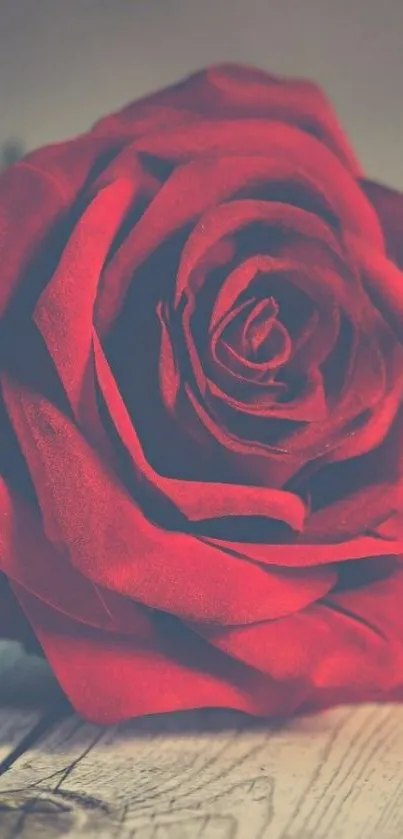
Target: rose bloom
[(201, 418)]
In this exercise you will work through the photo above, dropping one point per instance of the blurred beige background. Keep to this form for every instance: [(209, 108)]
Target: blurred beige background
[(65, 62)]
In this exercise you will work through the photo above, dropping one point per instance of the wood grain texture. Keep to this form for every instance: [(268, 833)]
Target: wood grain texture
[(212, 775)]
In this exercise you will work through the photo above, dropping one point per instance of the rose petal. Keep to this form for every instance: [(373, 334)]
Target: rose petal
[(325, 288), (109, 678), (28, 558), (64, 311), (383, 281), (355, 496), (200, 500), (234, 90), (206, 181), (349, 640), (369, 434), (31, 202), (169, 378), (88, 512), (345, 648), (358, 511), (309, 555), (309, 405), (388, 204), (232, 217)]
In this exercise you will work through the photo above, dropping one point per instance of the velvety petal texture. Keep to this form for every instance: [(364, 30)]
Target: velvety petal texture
[(201, 406)]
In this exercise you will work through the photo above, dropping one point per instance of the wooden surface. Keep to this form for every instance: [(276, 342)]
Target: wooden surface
[(202, 775)]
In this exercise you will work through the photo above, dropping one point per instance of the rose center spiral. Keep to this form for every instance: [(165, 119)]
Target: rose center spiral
[(255, 333)]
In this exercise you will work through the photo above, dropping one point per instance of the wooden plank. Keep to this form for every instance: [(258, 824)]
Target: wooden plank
[(212, 775), (28, 692)]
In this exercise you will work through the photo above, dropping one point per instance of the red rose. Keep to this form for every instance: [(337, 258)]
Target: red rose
[(201, 405)]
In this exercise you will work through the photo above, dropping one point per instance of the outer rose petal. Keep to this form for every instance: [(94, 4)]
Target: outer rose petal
[(109, 678), (349, 639), (31, 203), (88, 515), (347, 648), (28, 558), (383, 281), (230, 90), (389, 206)]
